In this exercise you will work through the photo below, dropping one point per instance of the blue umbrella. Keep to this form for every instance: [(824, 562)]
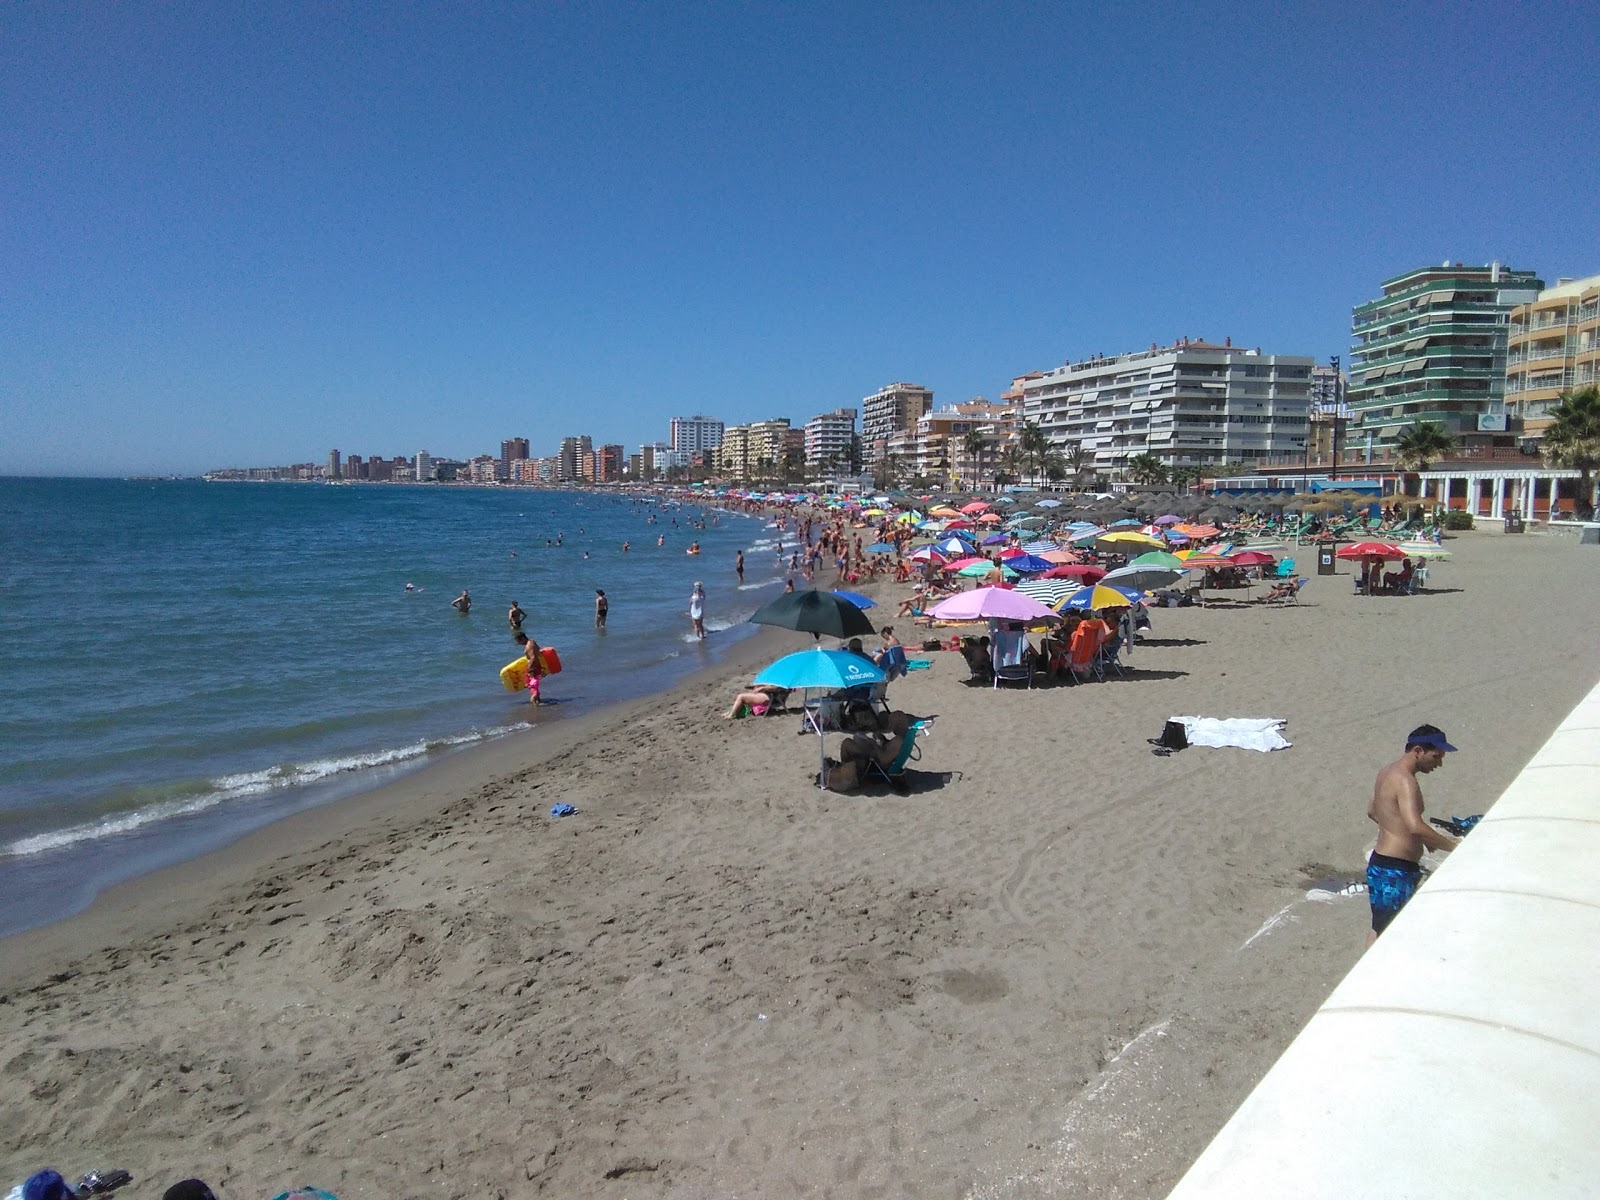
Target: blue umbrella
[(1039, 547), (880, 548), (954, 546), (1083, 598), (994, 539), (821, 669), (1027, 564), (856, 598)]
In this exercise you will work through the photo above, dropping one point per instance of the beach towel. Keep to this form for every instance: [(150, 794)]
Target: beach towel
[(1246, 733)]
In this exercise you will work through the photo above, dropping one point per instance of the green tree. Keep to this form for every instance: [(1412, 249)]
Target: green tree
[(885, 471), (976, 444), (1080, 462), (1146, 468), (1572, 440), (1185, 477), (1423, 443), (1055, 467), (1008, 468), (1034, 445)]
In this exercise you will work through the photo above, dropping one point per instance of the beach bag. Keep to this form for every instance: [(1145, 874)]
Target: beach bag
[(933, 644), (859, 717), (1173, 737)]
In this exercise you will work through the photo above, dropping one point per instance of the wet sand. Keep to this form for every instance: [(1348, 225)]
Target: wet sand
[(1055, 968)]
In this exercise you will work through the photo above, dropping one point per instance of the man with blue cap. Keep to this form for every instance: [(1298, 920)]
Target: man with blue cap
[(1394, 872)]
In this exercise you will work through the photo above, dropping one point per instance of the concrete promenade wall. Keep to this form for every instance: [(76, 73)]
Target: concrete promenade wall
[(1461, 1056)]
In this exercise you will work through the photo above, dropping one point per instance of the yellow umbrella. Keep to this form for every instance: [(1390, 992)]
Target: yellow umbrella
[(872, 512), (1131, 537), (1097, 596), (908, 518)]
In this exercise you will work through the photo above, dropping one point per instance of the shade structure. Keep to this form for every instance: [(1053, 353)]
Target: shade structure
[(1100, 595), (856, 598), (1252, 558), (831, 669), (1048, 504), (977, 506), (1128, 539), (962, 524), (816, 613), (996, 539), (961, 564), (1142, 578), (1158, 558), (1027, 564), (1082, 572), (1058, 557), (1039, 547), (944, 510), (928, 554), (1371, 552), (953, 547), (978, 568), (1168, 519), (1202, 560), (1424, 550), (881, 548), (1001, 604), (990, 518), (1048, 591)]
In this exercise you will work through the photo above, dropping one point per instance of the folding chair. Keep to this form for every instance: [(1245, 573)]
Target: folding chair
[(1110, 659), (895, 773), (1012, 657), (1286, 569)]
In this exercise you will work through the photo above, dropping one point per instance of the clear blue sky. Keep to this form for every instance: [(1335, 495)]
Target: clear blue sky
[(243, 234)]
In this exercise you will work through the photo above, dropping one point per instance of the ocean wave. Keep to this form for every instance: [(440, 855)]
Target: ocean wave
[(240, 786)]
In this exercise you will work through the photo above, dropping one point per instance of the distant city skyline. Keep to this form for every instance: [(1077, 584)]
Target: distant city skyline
[(234, 241)]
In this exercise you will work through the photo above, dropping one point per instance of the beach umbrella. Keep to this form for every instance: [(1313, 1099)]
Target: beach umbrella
[(1012, 552), (1057, 556), (831, 669), (908, 518), (952, 526), (944, 510), (881, 548), (996, 539), (989, 519), (1005, 500), (1082, 572), (1371, 551), (1126, 540), (978, 568), (1048, 504), (1048, 592), (977, 506), (1158, 558), (1143, 578), (1039, 547), (1252, 558), (1100, 595), (1205, 560), (1125, 521), (814, 612), (1424, 550), (965, 561), (1000, 604), (930, 525), (952, 546), (1168, 519), (1026, 564), (856, 598), (928, 554), (872, 512)]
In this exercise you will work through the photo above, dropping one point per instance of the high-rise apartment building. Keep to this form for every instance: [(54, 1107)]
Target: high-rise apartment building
[(608, 464), (510, 450), (732, 454), (766, 439), (1433, 348), (422, 468), (571, 457), (830, 439), (690, 435), (334, 469), (1190, 404), (1552, 346), (888, 411)]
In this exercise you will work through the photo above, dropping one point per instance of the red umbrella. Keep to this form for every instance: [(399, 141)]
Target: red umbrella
[(1372, 552), (977, 506), (1012, 552), (1087, 572), (1252, 558)]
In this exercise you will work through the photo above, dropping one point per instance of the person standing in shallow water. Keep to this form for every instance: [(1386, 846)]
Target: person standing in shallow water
[(515, 617), (697, 609), (601, 607), (462, 603), (738, 565)]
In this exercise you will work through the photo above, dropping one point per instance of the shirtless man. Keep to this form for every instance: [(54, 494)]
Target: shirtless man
[(515, 617), (1394, 871)]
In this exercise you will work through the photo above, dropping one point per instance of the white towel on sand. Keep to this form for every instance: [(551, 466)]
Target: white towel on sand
[(1247, 733)]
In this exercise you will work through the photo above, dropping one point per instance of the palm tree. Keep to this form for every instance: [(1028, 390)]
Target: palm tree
[(1033, 444), (1055, 467), (1009, 466), (1146, 468), (886, 471), (1080, 462), (975, 443), (1420, 445), (1572, 440)]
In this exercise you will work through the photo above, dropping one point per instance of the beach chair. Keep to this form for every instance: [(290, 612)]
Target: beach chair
[(895, 773), (1419, 578), (1285, 569), (1110, 659), (1011, 656)]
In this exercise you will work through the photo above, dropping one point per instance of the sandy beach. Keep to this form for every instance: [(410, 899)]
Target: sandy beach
[(1053, 969)]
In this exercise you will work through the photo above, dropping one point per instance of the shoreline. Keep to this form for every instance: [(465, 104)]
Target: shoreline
[(1054, 968)]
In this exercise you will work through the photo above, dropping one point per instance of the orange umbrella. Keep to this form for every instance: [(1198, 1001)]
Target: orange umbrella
[(1060, 556), (977, 506), (991, 519)]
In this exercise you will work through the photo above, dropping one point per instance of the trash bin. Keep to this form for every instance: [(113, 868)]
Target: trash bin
[(1515, 524), (1325, 559)]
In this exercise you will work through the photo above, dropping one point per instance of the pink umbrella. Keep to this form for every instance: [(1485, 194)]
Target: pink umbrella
[(1087, 572), (1012, 552), (1060, 556), (1169, 519), (962, 564), (977, 506), (959, 525), (1001, 604), (1252, 558)]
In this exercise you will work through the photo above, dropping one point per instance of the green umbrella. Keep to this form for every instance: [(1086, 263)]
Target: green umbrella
[(1158, 558)]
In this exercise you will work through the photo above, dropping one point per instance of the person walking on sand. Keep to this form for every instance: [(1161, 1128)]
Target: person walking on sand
[(738, 565), (697, 610), (1394, 872), (601, 607), (462, 603), (515, 617)]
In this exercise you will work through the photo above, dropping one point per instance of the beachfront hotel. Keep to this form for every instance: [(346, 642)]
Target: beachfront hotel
[(889, 411), (695, 435), (1552, 346), (1433, 348), (830, 438), (1189, 404)]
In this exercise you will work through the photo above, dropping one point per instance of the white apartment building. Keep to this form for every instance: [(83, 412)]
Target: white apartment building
[(422, 467), (1190, 404), (829, 437), (889, 411), (691, 435)]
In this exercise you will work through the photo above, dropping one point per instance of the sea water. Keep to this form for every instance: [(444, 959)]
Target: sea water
[(181, 662)]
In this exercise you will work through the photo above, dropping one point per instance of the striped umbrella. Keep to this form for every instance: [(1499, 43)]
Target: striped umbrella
[(1039, 547), (1048, 591)]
